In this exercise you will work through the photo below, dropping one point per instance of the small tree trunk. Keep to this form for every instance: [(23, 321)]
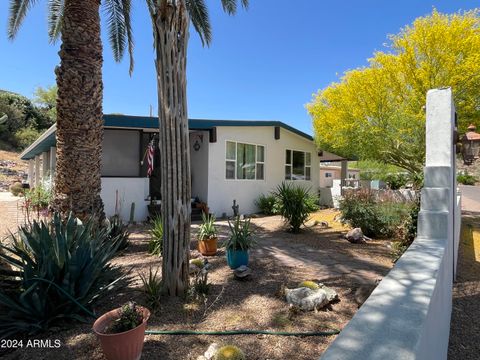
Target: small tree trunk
[(171, 36), (79, 112)]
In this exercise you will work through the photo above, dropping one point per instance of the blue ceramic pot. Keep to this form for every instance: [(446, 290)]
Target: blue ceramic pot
[(237, 258)]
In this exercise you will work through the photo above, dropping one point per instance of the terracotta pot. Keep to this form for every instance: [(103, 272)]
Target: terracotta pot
[(127, 345), (208, 247)]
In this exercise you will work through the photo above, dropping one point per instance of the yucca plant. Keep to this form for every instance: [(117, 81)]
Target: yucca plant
[(208, 230), (59, 269), (241, 235), (155, 245), (295, 204), (152, 288)]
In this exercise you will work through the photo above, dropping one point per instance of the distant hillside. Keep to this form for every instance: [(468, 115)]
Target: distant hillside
[(24, 121), (12, 169)]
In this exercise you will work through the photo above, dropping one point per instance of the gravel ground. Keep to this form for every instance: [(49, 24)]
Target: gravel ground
[(465, 328), (233, 304)]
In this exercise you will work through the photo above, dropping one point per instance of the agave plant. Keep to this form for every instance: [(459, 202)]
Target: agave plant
[(241, 235), (58, 270)]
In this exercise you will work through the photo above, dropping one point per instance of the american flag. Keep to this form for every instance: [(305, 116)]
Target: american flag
[(150, 153)]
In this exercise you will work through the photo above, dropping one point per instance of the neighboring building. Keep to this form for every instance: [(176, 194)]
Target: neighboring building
[(332, 171), (230, 160)]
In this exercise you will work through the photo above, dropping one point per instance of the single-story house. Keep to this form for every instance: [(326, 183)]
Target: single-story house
[(230, 160), (332, 171)]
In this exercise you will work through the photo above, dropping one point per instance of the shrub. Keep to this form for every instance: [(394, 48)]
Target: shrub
[(39, 197), (152, 288), (395, 181), (24, 137), (268, 204), (229, 352), (295, 204), (58, 268), (376, 218), (155, 245), (466, 179), (199, 287), (407, 232), (16, 189)]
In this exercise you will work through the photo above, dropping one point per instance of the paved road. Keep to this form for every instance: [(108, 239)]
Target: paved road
[(470, 198), (464, 330)]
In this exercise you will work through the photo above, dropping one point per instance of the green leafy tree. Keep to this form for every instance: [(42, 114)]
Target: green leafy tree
[(378, 112), (46, 100), (19, 114), (80, 92)]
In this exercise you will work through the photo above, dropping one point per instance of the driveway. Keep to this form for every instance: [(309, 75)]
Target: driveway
[(470, 198)]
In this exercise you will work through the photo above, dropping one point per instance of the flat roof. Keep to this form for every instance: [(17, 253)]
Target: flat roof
[(48, 140)]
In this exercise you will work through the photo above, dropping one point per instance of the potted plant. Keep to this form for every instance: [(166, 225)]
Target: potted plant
[(121, 331), (240, 241), (207, 236)]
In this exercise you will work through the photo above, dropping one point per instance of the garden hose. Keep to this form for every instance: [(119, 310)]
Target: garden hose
[(196, 332), (241, 332)]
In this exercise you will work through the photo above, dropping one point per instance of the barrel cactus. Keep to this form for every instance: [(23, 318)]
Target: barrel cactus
[(229, 352), (309, 284)]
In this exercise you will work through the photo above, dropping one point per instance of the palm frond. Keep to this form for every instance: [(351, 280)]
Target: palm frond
[(230, 6), (117, 13), (55, 16), (18, 10), (127, 10), (198, 12)]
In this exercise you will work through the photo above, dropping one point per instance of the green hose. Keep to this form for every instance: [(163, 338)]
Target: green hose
[(194, 332), (241, 332)]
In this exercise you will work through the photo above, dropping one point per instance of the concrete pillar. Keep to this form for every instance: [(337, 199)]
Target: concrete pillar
[(37, 170), (31, 169), (53, 160), (45, 165)]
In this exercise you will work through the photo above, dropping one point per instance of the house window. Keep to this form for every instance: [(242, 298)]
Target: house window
[(244, 161), (298, 165), (328, 175)]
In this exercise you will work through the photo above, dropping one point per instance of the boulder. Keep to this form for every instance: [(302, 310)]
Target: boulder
[(242, 272), (355, 236), (307, 299), (211, 351)]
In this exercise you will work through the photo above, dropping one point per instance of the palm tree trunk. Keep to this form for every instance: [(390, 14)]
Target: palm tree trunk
[(171, 36), (79, 112)]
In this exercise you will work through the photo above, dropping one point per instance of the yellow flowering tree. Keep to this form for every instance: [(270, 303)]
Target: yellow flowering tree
[(378, 112)]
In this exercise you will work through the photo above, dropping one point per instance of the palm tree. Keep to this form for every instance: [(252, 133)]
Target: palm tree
[(80, 92), (171, 20)]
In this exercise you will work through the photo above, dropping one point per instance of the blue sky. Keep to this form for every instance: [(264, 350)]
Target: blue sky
[(263, 64)]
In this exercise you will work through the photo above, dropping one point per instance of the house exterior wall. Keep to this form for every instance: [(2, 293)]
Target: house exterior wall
[(199, 164), (222, 192), (118, 194), (121, 153)]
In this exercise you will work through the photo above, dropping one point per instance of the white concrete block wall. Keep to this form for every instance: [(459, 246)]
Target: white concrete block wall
[(408, 315)]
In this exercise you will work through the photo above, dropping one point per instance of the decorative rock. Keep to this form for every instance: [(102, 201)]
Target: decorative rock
[(211, 351), (307, 299), (242, 272), (355, 236)]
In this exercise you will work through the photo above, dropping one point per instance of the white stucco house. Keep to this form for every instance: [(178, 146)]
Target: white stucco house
[(230, 160), (332, 171)]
